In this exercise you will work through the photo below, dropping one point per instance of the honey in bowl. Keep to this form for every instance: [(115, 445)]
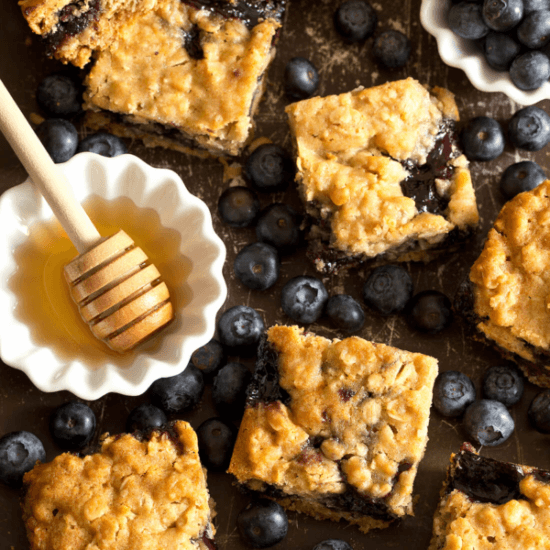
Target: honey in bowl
[(44, 303)]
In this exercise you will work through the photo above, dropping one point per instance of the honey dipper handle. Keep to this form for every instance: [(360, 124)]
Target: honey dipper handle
[(45, 175)]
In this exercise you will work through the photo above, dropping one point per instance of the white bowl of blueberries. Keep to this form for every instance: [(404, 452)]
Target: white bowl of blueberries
[(501, 45)]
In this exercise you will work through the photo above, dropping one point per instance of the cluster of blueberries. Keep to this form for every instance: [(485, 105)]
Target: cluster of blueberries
[(487, 421), (514, 34), (483, 139)]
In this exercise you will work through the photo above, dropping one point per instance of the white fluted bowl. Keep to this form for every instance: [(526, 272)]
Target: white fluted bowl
[(148, 187), (466, 55)]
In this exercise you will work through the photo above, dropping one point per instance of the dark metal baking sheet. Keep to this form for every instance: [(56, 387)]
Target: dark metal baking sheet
[(309, 33)]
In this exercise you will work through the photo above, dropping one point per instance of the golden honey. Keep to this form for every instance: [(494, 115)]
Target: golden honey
[(44, 303)]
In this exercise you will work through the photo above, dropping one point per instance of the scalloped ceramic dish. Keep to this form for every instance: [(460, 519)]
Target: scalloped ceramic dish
[(194, 324), (464, 54)]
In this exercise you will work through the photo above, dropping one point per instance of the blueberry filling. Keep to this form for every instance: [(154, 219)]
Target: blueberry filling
[(192, 43)]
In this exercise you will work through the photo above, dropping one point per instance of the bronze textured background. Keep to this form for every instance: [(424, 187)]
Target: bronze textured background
[(309, 33)]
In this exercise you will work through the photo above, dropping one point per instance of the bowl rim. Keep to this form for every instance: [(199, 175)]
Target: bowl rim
[(49, 372), (460, 53)]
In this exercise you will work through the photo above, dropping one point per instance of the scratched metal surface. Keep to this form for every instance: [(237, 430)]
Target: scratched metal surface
[(309, 33)]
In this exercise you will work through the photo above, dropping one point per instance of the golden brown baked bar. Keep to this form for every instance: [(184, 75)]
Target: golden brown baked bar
[(381, 174), (491, 505), (506, 296), (335, 429), (133, 494)]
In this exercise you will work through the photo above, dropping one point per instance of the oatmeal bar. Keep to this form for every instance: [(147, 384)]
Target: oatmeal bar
[(488, 504), (506, 297), (381, 174), (335, 429), (133, 494)]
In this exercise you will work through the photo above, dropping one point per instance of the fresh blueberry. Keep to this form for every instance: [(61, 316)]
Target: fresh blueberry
[(304, 298), (240, 329), (388, 289), (59, 95), (391, 49), (145, 417), (429, 311), (482, 139), (529, 129), (216, 440), (355, 20), (539, 412), (229, 390), (453, 393), (238, 206), (257, 266), (59, 138), (209, 358), (269, 168), (262, 523), (488, 422), (534, 30), (103, 144), (178, 393), (519, 177), (502, 15), (500, 50), (535, 5), (503, 383), (278, 225), (72, 425), (465, 20), (332, 544), (301, 78), (345, 313), (19, 452), (530, 70)]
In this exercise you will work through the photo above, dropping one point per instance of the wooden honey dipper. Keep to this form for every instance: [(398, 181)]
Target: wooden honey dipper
[(120, 294)]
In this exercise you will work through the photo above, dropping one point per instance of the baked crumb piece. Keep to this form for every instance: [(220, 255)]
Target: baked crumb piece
[(381, 174), (335, 429), (491, 505), (134, 494)]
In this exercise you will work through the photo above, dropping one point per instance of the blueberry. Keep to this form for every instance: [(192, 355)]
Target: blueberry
[(301, 78), (209, 358), (19, 452), (332, 544), (257, 266), (240, 329), (304, 298), (145, 417), (229, 390), (429, 311), (355, 20), (388, 289), (530, 70), (262, 523), (59, 138), (503, 383), (534, 30), (465, 20), (519, 177), (216, 440), (488, 422), (391, 49), (59, 95), (529, 129), (238, 206), (500, 50), (539, 412), (453, 393), (482, 139), (278, 225), (103, 144), (535, 5), (178, 393), (269, 168), (72, 425), (502, 15), (345, 313)]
